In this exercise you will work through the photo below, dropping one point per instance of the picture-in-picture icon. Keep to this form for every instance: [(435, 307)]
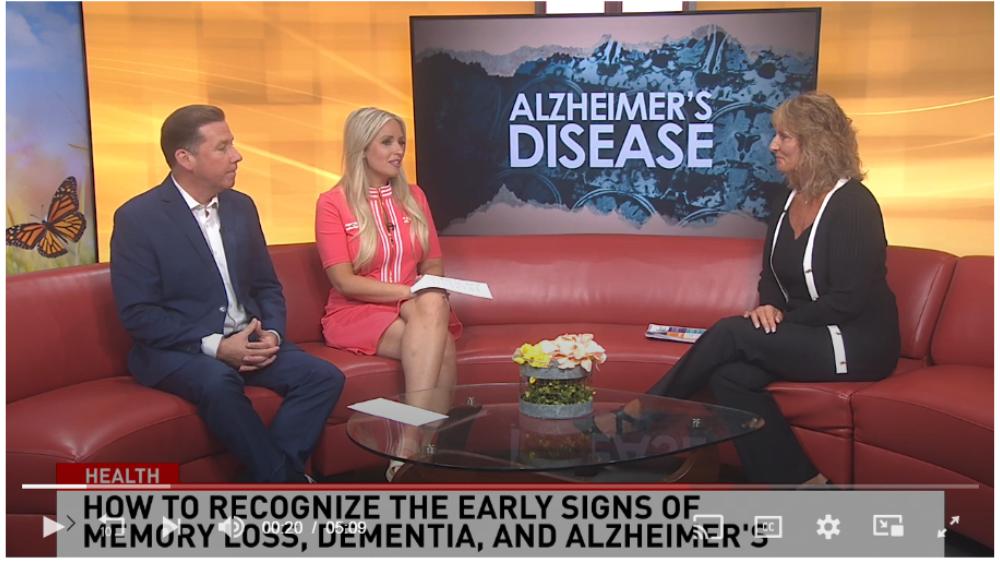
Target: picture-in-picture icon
[(889, 525)]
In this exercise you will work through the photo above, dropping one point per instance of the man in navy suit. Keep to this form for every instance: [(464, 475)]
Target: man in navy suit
[(196, 289)]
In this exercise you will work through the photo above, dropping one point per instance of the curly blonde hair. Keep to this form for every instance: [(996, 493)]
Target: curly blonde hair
[(827, 141)]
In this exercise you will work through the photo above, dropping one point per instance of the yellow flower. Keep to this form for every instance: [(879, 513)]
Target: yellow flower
[(532, 380), (534, 356), (539, 360), (524, 354)]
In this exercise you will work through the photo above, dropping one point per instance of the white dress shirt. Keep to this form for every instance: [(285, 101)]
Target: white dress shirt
[(237, 319)]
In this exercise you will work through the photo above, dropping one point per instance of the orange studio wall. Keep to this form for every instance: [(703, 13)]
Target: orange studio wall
[(917, 77), (286, 73)]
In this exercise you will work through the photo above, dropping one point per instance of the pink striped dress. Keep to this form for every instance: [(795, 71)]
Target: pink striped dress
[(354, 325)]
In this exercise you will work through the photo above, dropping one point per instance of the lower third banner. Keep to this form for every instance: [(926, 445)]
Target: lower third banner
[(507, 523)]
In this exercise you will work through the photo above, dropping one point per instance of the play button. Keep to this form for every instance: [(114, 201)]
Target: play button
[(169, 527), (50, 526)]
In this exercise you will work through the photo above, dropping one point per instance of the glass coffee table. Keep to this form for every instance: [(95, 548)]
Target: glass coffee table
[(487, 438)]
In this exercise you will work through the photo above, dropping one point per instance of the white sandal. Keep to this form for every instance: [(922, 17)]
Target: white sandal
[(392, 470)]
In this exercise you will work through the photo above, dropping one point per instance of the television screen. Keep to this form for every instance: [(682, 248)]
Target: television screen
[(647, 124), (50, 189)]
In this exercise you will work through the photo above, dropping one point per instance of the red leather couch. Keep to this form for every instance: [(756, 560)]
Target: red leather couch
[(70, 398)]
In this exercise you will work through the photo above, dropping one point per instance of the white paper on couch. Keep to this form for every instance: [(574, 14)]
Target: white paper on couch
[(400, 412), (466, 287)]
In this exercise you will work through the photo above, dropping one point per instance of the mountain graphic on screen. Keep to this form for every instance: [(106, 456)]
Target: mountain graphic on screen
[(464, 103)]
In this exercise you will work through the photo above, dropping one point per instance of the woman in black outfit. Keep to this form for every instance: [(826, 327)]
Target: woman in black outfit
[(826, 312)]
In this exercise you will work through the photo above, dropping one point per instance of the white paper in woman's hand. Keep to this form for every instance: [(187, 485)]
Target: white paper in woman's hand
[(466, 287)]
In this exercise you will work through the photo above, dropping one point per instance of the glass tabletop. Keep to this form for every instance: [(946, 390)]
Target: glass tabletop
[(486, 431)]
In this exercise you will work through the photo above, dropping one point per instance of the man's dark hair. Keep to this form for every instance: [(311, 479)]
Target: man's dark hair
[(180, 129)]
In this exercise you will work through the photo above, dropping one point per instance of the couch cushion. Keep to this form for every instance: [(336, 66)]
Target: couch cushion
[(939, 414), (909, 364), (919, 278), (825, 406), (604, 279), (305, 287), (964, 332), (62, 328), (93, 421), (819, 406), (108, 420)]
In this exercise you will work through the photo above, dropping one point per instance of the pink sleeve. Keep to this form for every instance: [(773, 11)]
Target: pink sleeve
[(331, 239), (432, 236)]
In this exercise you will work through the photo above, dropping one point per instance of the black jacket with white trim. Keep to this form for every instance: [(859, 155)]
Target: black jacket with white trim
[(846, 273)]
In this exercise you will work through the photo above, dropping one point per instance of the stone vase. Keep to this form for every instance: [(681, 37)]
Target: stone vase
[(531, 377)]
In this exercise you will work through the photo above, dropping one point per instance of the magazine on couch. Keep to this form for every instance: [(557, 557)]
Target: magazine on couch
[(674, 333)]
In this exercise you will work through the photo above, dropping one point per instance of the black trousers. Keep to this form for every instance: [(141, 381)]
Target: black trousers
[(738, 361)]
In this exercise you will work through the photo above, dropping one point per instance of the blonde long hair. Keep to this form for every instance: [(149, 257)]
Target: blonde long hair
[(827, 141), (359, 131)]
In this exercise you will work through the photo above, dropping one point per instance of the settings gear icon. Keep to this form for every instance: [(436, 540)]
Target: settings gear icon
[(828, 526)]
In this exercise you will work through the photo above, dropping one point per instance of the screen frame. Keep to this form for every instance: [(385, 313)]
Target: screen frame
[(413, 55)]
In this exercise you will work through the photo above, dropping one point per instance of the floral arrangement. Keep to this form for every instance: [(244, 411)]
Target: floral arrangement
[(566, 352), (542, 380)]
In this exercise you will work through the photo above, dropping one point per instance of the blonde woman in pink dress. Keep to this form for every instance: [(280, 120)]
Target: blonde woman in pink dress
[(376, 237)]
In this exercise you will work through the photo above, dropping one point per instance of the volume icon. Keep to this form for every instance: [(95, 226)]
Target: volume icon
[(232, 527)]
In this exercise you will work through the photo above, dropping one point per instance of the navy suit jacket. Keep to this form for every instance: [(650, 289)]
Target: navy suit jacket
[(167, 287)]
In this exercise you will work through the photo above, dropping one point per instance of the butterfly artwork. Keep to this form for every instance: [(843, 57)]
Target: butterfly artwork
[(63, 223)]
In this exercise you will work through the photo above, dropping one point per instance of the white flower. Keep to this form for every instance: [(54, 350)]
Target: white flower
[(571, 350)]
